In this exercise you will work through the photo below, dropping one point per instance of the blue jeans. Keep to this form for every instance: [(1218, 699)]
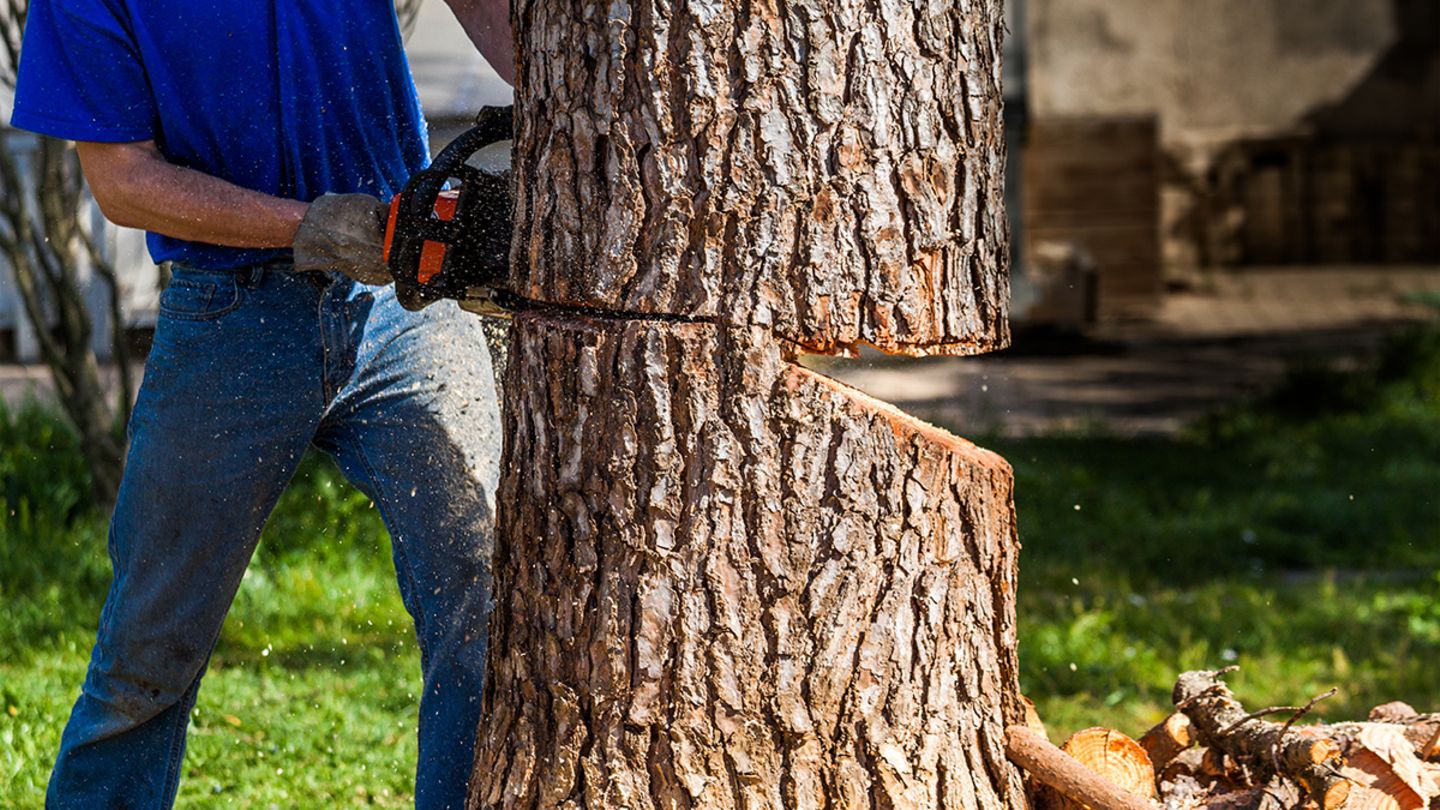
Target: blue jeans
[(248, 369)]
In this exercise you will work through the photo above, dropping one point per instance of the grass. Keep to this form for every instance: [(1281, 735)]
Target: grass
[(1298, 536), (311, 697)]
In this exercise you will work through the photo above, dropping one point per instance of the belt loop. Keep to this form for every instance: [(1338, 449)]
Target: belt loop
[(257, 272)]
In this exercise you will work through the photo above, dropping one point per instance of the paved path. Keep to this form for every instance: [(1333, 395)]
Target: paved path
[(1235, 336)]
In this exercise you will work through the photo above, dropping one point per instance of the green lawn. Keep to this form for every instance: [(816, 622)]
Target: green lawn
[(311, 697), (1298, 537)]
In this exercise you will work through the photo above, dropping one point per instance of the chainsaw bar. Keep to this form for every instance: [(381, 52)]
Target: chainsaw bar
[(504, 304)]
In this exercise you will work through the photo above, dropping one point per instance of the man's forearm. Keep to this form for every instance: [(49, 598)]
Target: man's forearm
[(137, 188), (487, 23)]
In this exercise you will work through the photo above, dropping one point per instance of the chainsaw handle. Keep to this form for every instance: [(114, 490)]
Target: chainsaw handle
[(492, 125), (413, 224)]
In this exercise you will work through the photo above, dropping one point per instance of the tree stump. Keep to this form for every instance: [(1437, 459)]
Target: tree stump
[(727, 581), (723, 580)]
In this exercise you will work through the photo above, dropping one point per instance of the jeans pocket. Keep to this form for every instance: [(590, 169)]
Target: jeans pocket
[(200, 296)]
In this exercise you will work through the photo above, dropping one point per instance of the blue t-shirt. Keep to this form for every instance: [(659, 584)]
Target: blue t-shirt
[(293, 98)]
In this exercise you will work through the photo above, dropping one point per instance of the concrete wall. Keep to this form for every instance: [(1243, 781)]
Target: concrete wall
[(1321, 116), (1209, 69)]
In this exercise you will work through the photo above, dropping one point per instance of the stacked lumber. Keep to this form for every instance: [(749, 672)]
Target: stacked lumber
[(1212, 753), (1092, 185)]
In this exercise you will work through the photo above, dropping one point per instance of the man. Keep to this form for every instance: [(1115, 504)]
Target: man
[(255, 141)]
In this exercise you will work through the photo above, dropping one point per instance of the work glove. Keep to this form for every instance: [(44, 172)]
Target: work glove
[(344, 233)]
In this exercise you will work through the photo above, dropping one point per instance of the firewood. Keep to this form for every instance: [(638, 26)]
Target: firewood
[(1167, 739), (1114, 756), (1068, 776), (1384, 767), (1184, 765), (1396, 711), (1430, 752), (1376, 786), (1032, 718), (1261, 746), (1277, 794)]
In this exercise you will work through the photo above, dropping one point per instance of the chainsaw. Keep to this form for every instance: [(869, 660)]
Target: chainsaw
[(448, 235)]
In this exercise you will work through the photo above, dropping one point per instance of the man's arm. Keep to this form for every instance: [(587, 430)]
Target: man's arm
[(137, 188), (487, 22)]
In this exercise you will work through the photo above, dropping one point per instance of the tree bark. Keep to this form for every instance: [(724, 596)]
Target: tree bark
[(728, 581), (832, 170)]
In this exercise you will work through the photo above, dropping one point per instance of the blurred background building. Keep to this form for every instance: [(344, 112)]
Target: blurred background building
[(1158, 138)]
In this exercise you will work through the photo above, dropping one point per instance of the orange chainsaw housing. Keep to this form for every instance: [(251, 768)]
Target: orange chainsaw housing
[(432, 254)]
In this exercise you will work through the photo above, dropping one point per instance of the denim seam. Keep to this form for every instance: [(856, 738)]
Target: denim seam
[(397, 549), (177, 742), (211, 314)]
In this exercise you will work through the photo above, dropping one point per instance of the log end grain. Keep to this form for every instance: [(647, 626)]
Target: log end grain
[(1114, 756)]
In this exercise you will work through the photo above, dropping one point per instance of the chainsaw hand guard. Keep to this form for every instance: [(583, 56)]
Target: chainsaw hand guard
[(454, 242)]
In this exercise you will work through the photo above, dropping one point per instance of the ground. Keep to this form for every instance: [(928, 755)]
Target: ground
[(1167, 524)]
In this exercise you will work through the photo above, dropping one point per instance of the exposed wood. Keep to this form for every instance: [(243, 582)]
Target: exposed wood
[(1430, 752), (1261, 746), (1115, 757), (1384, 766), (1167, 739), (1032, 718), (829, 170), (727, 581), (1067, 775)]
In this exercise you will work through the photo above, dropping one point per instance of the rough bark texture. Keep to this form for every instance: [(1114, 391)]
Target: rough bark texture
[(829, 169), (728, 581), (1263, 747)]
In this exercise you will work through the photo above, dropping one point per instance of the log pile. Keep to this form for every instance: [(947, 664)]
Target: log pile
[(1212, 753)]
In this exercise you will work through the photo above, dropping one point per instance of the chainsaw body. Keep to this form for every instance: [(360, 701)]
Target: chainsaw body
[(448, 235)]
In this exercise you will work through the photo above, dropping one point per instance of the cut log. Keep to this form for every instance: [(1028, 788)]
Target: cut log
[(727, 581), (1032, 718), (1396, 711), (1167, 739), (830, 171), (1075, 780), (1115, 757), (1261, 746)]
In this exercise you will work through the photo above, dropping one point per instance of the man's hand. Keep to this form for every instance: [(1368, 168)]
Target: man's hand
[(344, 233)]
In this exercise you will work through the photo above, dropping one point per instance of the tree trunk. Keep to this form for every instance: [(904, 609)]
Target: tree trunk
[(832, 170), (728, 581), (725, 580)]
